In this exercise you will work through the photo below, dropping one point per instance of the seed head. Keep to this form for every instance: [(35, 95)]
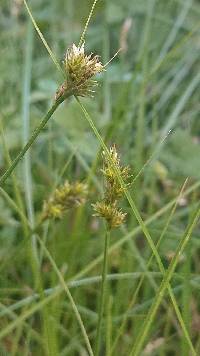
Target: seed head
[(113, 216), (107, 207), (51, 210), (80, 69), (65, 197), (113, 188)]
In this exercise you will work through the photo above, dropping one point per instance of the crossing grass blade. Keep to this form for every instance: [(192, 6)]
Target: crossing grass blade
[(137, 348), (139, 219), (51, 54)]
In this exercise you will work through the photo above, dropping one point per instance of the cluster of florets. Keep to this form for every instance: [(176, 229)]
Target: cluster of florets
[(114, 190), (113, 216), (79, 69), (65, 197), (107, 208)]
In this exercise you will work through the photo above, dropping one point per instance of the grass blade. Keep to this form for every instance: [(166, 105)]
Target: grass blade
[(137, 348), (43, 40), (65, 287), (138, 217)]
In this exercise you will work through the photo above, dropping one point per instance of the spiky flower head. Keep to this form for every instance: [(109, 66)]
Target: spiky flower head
[(80, 69), (113, 188), (65, 197), (113, 216), (107, 208)]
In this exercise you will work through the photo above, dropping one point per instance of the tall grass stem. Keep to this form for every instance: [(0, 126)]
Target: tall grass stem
[(33, 137), (103, 291)]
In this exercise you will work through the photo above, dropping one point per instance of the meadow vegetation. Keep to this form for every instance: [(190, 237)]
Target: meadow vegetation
[(100, 177)]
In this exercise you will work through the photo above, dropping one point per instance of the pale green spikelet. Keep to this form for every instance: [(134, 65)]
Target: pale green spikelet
[(114, 190), (79, 68), (107, 208), (113, 216), (51, 210), (65, 197)]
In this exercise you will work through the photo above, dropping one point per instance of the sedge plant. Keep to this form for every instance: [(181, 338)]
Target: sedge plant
[(113, 216), (79, 70)]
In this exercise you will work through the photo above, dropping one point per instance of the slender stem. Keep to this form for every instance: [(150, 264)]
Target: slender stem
[(27, 177), (33, 137), (103, 291), (123, 324), (109, 326), (16, 190), (66, 288), (137, 216), (138, 345)]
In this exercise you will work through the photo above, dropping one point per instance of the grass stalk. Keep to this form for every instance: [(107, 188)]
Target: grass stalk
[(26, 122), (187, 292), (66, 288), (133, 233), (48, 331), (109, 326), (16, 189), (139, 219), (103, 292), (54, 59), (121, 329), (31, 140), (137, 347), (142, 96)]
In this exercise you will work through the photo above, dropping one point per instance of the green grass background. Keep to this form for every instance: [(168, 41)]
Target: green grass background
[(147, 102)]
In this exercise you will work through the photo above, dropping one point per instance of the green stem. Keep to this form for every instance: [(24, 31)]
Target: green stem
[(66, 288), (137, 216), (109, 326), (123, 324), (137, 347), (16, 190), (33, 137), (32, 252), (103, 291)]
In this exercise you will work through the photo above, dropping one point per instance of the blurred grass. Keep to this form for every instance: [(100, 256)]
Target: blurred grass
[(149, 89)]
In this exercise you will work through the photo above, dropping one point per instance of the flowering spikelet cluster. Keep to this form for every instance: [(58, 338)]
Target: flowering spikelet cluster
[(113, 216), (114, 191), (107, 208), (79, 69), (65, 197)]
